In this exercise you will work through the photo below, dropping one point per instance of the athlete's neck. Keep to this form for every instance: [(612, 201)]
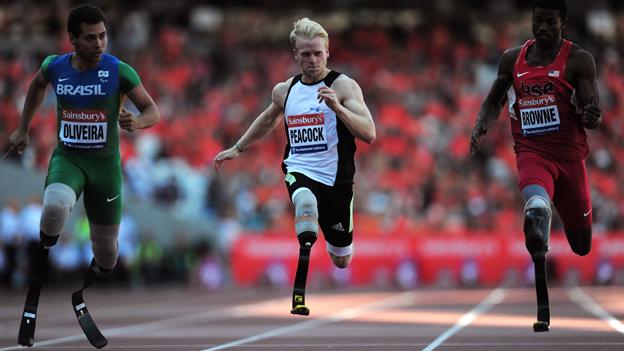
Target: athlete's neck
[(548, 50), (81, 64), (313, 79)]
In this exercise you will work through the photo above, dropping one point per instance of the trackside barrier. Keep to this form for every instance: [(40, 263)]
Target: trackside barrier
[(479, 259)]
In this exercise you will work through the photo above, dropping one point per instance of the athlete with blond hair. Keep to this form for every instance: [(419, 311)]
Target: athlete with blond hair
[(323, 112)]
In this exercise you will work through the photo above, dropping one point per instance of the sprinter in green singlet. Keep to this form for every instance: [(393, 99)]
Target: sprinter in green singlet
[(90, 88)]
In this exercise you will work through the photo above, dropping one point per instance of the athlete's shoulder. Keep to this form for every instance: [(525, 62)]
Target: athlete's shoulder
[(51, 67), (344, 80), (508, 60), (580, 61), (577, 52), (282, 87), (108, 58), (55, 60), (280, 91), (511, 54)]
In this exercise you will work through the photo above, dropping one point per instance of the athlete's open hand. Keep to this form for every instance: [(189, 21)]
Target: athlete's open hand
[(592, 115), (128, 121), (224, 155), (17, 142), (329, 96)]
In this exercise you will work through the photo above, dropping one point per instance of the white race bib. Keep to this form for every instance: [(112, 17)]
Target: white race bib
[(85, 129), (539, 115), (307, 133)]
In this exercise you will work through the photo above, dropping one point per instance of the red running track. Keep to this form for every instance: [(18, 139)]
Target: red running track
[(586, 318)]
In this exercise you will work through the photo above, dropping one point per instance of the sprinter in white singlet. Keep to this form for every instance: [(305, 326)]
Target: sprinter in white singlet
[(323, 112)]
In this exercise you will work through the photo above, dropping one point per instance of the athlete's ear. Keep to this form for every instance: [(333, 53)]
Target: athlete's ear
[(564, 23), (72, 39)]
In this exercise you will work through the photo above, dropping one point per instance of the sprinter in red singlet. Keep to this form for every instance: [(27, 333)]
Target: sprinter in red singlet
[(550, 85)]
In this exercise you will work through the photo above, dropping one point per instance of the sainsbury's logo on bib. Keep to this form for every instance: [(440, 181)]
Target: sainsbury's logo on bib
[(306, 133), (539, 115), (84, 116)]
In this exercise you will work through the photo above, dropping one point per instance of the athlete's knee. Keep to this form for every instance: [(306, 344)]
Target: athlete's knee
[(306, 211), (582, 250), (537, 217), (580, 240), (105, 246), (341, 256), (58, 200)]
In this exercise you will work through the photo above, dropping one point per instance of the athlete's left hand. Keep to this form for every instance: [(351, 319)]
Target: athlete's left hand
[(128, 121), (329, 96), (592, 115)]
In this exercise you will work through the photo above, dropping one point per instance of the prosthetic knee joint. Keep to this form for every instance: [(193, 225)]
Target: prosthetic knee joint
[(537, 216)]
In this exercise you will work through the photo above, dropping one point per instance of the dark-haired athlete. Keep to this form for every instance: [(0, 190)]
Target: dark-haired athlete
[(90, 87), (550, 84)]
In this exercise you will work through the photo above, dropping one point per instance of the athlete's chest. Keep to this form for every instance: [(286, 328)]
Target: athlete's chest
[(83, 87), (304, 100)]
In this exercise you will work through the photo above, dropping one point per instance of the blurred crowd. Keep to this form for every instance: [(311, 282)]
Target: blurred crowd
[(424, 70), (142, 260)]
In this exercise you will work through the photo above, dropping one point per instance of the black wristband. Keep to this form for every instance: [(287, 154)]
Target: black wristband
[(238, 148)]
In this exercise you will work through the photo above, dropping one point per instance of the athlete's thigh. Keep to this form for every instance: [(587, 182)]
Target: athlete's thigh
[(572, 196), (63, 169), (336, 215), (295, 181), (102, 195), (535, 170)]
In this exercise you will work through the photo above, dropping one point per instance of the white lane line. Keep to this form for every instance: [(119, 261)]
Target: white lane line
[(349, 313), (493, 299), (577, 295), (373, 346), (223, 313)]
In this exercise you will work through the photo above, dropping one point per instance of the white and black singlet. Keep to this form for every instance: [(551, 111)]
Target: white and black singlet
[(319, 145)]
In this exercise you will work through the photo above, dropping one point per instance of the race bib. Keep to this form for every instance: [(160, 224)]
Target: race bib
[(539, 115), (307, 133), (85, 129)]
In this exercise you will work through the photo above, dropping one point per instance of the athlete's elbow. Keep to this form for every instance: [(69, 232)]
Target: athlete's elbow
[(371, 137), (155, 116)]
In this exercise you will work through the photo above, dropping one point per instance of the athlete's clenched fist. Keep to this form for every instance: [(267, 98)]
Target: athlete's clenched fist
[(128, 121)]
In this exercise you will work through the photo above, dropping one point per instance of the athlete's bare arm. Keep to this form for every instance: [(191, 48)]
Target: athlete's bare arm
[(582, 74), (261, 126), (36, 92), (149, 111), (346, 99), (493, 103)]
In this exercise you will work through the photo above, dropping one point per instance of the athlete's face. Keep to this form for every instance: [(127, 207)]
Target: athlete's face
[(311, 56), (91, 42), (547, 26)]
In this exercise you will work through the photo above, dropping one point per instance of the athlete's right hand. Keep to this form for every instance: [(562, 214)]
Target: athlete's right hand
[(475, 140), (17, 142), (224, 155)]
